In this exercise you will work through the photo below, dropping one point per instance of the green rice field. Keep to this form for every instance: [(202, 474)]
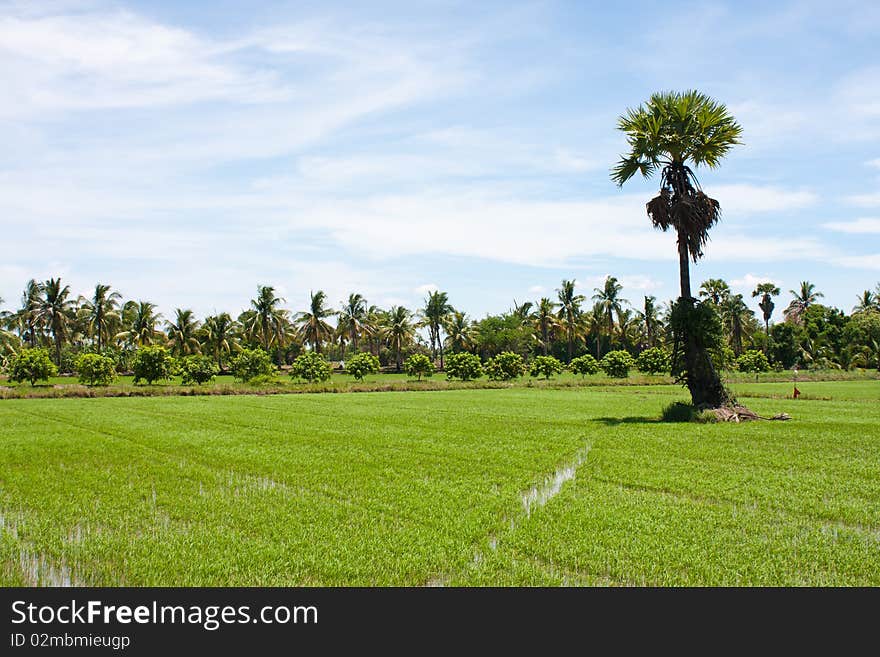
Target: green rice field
[(515, 486)]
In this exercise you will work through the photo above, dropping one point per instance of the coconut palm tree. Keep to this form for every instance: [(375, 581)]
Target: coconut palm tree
[(399, 330), (101, 313), (766, 291), (183, 332), (459, 332), (544, 321), (594, 326), (353, 318), (26, 318), (805, 297), (266, 322), (649, 321), (139, 318), (569, 312), (435, 312), (55, 312), (627, 328), (311, 323), (218, 336), (715, 290), (608, 297), (867, 301), (671, 133), (738, 318)]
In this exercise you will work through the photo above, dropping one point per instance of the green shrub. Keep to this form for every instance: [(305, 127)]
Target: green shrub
[(361, 364), (584, 365), (753, 361), (95, 369), (679, 412), (151, 364), (262, 380), (653, 361), (463, 366), (506, 366), (31, 365), (197, 369), (251, 363), (545, 366), (617, 364), (311, 366), (418, 365)]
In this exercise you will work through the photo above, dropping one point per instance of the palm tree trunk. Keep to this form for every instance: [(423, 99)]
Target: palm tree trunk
[(544, 337), (684, 274), (767, 333)]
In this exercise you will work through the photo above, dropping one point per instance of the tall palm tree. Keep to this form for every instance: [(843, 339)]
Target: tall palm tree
[(649, 320), (867, 301), (627, 328), (569, 312), (399, 331), (311, 323), (27, 317), (766, 291), (459, 332), (267, 321), (218, 334), (738, 318), (715, 290), (670, 133), (139, 318), (435, 312), (55, 312), (594, 326), (804, 297), (608, 297), (101, 313), (183, 332), (544, 321), (353, 318)]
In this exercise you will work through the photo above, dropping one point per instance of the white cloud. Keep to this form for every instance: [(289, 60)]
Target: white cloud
[(745, 199), (861, 225), (860, 262), (874, 163), (427, 288), (865, 200), (537, 289), (750, 281)]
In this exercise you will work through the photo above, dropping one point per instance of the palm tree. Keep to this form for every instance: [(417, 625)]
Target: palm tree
[(399, 330), (715, 290), (436, 309), (649, 320), (738, 317), (670, 133), (766, 291), (607, 297), (27, 317), (353, 317), (627, 327), (140, 318), (569, 312), (101, 313), (459, 332), (594, 325), (267, 321), (544, 320), (867, 301), (311, 325), (182, 333), (805, 297), (218, 335), (55, 312)]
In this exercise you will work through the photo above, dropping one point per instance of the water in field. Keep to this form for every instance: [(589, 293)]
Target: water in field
[(538, 496)]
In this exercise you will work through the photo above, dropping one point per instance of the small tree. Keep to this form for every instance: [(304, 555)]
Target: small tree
[(617, 364), (753, 361), (506, 366), (250, 364), (362, 364), (31, 365), (653, 361), (197, 369), (152, 364), (311, 366), (95, 369), (419, 365), (545, 366), (463, 366), (584, 365)]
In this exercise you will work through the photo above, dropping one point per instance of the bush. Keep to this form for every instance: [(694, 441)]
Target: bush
[(311, 366), (419, 365), (95, 369), (361, 364), (197, 369), (753, 361), (679, 412), (251, 363), (584, 365), (506, 366), (463, 366), (545, 366), (617, 364), (31, 365), (653, 361), (151, 364)]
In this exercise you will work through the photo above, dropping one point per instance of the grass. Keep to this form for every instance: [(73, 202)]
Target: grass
[(406, 488)]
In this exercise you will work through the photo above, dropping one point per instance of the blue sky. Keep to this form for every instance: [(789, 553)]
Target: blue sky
[(187, 152)]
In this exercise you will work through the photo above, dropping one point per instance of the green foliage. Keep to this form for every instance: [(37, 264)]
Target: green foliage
[(95, 369), (617, 364), (463, 366), (753, 361), (701, 322), (679, 412), (419, 365), (251, 363), (545, 366), (784, 344), (506, 366), (653, 361), (496, 334), (723, 358), (584, 365), (31, 365), (197, 369), (361, 364), (152, 364), (311, 366)]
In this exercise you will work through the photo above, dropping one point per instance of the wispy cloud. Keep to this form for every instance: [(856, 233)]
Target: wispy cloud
[(859, 226)]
